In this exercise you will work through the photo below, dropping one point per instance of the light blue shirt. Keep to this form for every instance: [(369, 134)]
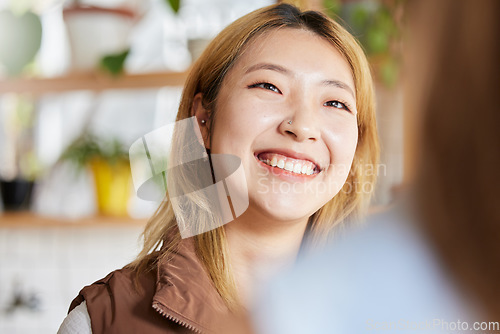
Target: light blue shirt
[(379, 278)]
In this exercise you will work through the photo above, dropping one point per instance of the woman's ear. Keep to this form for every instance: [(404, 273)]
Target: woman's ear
[(202, 116)]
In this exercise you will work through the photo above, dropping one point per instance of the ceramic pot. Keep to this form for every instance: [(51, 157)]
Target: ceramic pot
[(20, 39), (113, 186), (16, 194), (95, 32)]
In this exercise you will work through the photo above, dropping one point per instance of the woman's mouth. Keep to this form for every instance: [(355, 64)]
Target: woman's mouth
[(292, 165)]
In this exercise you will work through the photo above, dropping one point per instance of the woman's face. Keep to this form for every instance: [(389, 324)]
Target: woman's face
[(287, 109)]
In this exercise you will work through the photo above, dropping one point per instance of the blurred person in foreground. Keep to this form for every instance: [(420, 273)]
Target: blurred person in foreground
[(431, 264)]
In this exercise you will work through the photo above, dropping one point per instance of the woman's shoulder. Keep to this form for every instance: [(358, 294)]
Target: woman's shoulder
[(109, 288), (122, 302), (172, 294)]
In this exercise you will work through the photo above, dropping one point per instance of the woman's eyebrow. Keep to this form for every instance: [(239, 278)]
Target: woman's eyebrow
[(268, 66), (338, 84), (281, 69)]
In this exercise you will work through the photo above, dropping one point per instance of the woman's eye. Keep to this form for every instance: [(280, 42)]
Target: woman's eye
[(336, 104), (266, 85)]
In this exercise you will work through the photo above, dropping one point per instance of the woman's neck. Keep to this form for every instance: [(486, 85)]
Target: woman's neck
[(259, 248)]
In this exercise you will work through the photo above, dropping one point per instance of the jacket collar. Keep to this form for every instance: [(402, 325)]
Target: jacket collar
[(185, 293)]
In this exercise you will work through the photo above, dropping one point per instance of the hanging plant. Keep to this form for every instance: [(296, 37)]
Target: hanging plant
[(377, 26)]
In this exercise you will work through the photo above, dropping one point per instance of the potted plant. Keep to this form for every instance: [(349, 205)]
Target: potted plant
[(99, 36), (95, 32), (109, 163), (19, 166)]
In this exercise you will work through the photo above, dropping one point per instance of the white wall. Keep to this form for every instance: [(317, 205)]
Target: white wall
[(53, 264)]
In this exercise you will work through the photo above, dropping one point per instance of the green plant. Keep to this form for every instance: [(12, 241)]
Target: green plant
[(87, 148), (377, 25), (114, 63), (174, 4)]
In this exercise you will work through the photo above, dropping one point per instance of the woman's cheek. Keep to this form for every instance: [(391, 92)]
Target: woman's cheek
[(341, 140), (351, 139)]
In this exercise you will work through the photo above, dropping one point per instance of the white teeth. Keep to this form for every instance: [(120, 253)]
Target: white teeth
[(304, 169)]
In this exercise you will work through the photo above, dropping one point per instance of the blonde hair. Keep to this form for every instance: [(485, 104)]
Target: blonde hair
[(206, 77)]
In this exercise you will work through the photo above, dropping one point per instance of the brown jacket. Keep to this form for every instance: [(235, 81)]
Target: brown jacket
[(177, 297)]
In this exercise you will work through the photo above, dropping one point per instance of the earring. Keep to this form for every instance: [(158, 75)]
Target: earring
[(290, 122), (203, 121)]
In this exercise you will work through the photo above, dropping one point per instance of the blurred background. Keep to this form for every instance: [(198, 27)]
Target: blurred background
[(80, 81)]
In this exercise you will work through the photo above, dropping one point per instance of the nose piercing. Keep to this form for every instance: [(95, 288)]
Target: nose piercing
[(290, 122)]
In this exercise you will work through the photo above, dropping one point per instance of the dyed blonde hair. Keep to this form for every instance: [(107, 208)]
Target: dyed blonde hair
[(161, 234)]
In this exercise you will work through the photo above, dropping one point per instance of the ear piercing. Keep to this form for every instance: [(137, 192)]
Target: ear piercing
[(203, 121)]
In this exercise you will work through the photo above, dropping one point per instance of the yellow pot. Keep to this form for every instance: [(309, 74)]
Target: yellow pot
[(113, 186)]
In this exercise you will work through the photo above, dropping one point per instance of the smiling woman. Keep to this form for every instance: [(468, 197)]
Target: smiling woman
[(290, 94)]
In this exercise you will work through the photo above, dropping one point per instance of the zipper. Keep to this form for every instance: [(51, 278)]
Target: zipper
[(158, 309)]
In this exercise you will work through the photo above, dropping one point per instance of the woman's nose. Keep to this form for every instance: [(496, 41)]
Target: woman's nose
[(302, 125)]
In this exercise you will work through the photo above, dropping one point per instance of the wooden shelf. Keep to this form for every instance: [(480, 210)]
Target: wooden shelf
[(32, 220), (91, 81), (27, 219)]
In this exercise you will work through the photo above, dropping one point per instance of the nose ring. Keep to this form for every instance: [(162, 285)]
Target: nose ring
[(290, 122)]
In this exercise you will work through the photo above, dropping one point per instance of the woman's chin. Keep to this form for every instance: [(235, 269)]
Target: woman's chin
[(282, 209)]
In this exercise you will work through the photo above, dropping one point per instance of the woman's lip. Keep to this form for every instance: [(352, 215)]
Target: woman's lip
[(289, 154)]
